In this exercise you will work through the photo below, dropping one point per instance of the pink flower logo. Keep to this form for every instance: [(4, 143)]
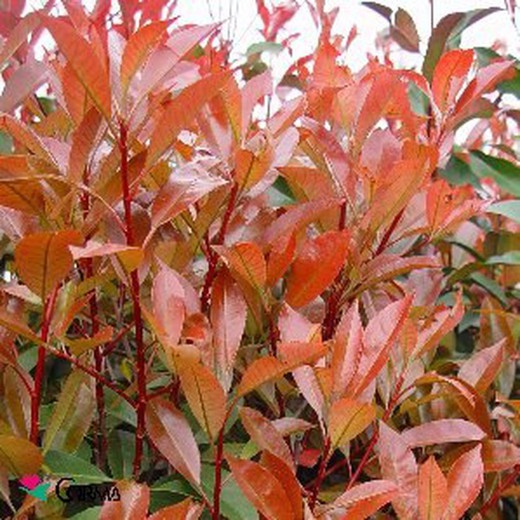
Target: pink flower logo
[(30, 481)]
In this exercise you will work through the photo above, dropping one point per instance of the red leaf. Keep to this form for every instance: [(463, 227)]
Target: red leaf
[(169, 431), (433, 490), (133, 504), (499, 455), (261, 488), (398, 465), (449, 76), (442, 431), (280, 257), (465, 481), (89, 70), (316, 267), (347, 419)]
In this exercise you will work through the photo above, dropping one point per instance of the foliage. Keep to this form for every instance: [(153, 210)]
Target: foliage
[(237, 312)]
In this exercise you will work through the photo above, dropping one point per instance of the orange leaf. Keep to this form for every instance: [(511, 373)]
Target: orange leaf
[(433, 490), (316, 267), (181, 112), (280, 257), (133, 505), (280, 469), (89, 70), (43, 259), (170, 433), (204, 395), (19, 456), (179, 511), (365, 499), (465, 481), (347, 419), (264, 434), (138, 47), (261, 488), (449, 76)]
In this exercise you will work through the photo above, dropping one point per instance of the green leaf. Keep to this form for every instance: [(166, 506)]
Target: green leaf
[(92, 513), (418, 99), (121, 448), (510, 258), (72, 415), (491, 287), (257, 48), (507, 208), (503, 172), (61, 464)]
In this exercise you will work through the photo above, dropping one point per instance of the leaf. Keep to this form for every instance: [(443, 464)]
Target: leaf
[(365, 499), (483, 367), (347, 351), (13, 323), (261, 488), (176, 512), (280, 257), (433, 490), (257, 48), (185, 186), (170, 433), (442, 431), (504, 173), (499, 455), (449, 76), (181, 112), (19, 456), (133, 504), (23, 82), (80, 346), (204, 395), (17, 400), (72, 416), (228, 318), (86, 65), (130, 257), (404, 31), (398, 465), (383, 10), (448, 29), (347, 419), (168, 299), (465, 481), (506, 208), (264, 434), (316, 267), (61, 464), (43, 259), (284, 474), (137, 49)]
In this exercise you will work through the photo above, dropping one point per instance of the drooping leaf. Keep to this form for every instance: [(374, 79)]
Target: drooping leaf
[(169, 431), (43, 259), (433, 490), (347, 419), (228, 317), (261, 488)]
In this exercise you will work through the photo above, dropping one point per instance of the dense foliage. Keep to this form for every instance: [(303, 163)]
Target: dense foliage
[(238, 311)]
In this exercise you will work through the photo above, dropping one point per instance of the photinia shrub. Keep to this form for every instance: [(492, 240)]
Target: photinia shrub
[(232, 297)]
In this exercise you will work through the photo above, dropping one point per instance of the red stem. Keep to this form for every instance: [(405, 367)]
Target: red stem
[(388, 234), (219, 457), (40, 367), (213, 258), (321, 473), (138, 320)]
